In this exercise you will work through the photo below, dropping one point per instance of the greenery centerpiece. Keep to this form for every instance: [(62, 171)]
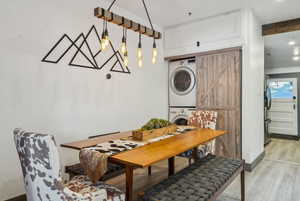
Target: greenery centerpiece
[(154, 128)]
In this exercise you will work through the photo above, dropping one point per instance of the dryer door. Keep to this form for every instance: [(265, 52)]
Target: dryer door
[(180, 120), (182, 81)]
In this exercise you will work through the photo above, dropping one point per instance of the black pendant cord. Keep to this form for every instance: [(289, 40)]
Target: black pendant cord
[(111, 5), (124, 32), (140, 39), (146, 9), (103, 26)]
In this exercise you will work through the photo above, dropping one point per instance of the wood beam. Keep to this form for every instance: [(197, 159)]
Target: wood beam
[(124, 22), (281, 27)]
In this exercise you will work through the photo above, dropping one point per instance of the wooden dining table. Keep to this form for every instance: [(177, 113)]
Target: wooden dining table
[(147, 155)]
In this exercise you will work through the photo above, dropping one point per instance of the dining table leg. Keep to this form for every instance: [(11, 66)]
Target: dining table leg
[(129, 182), (195, 154), (149, 170), (171, 166)]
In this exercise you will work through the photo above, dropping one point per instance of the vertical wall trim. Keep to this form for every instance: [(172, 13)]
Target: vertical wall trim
[(241, 103)]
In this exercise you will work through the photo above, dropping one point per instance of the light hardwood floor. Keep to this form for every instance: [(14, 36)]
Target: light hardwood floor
[(276, 178)]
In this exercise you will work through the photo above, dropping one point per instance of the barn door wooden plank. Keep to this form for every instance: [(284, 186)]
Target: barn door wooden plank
[(219, 89)]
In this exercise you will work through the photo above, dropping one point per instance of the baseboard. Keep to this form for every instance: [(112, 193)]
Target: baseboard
[(18, 198), (250, 166), (286, 137)]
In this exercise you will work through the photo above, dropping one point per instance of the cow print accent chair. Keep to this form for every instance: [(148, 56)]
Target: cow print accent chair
[(40, 164), (202, 119)]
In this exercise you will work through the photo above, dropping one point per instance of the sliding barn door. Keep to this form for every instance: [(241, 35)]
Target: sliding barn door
[(219, 89)]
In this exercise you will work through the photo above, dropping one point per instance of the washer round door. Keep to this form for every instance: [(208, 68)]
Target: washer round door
[(180, 120), (182, 81)]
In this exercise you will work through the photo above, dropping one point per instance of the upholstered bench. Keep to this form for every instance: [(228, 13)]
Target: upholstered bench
[(204, 180), (113, 170)]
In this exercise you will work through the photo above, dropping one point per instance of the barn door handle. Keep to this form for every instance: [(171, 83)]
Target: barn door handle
[(294, 106)]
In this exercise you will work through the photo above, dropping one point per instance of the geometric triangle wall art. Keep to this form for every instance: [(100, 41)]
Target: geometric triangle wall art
[(87, 53)]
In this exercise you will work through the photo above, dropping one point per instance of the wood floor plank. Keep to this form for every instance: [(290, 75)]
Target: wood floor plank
[(276, 178), (296, 187)]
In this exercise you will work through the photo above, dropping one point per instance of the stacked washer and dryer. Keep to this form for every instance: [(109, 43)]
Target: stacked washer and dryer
[(182, 90)]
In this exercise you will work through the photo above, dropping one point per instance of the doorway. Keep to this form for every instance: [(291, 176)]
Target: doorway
[(282, 69), (284, 111)]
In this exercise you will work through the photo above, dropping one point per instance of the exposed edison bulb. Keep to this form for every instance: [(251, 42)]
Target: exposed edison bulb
[(140, 62), (126, 59), (154, 55), (139, 53), (103, 41), (154, 52), (123, 48), (103, 45), (154, 60), (106, 41), (106, 38)]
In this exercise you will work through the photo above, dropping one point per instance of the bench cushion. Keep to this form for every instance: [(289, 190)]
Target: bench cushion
[(198, 182)]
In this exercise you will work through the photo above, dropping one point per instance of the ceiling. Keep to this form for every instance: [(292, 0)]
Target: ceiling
[(171, 12), (278, 52)]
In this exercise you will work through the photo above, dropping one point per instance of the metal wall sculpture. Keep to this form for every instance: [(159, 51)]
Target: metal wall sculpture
[(89, 56)]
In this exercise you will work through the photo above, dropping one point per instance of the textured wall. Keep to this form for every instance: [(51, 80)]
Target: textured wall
[(70, 103), (253, 87)]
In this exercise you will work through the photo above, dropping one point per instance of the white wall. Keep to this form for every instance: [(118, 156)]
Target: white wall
[(70, 103), (219, 32), (253, 87), (238, 28), (295, 69)]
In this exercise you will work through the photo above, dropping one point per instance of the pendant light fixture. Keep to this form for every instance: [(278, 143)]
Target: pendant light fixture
[(140, 52), (110, 17), (102, 42), (126, 61), (104, 37), (124, 41), (154, 52)]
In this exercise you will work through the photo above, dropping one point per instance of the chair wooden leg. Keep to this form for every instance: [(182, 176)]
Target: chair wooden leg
[(149, 170), (243, 185)]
